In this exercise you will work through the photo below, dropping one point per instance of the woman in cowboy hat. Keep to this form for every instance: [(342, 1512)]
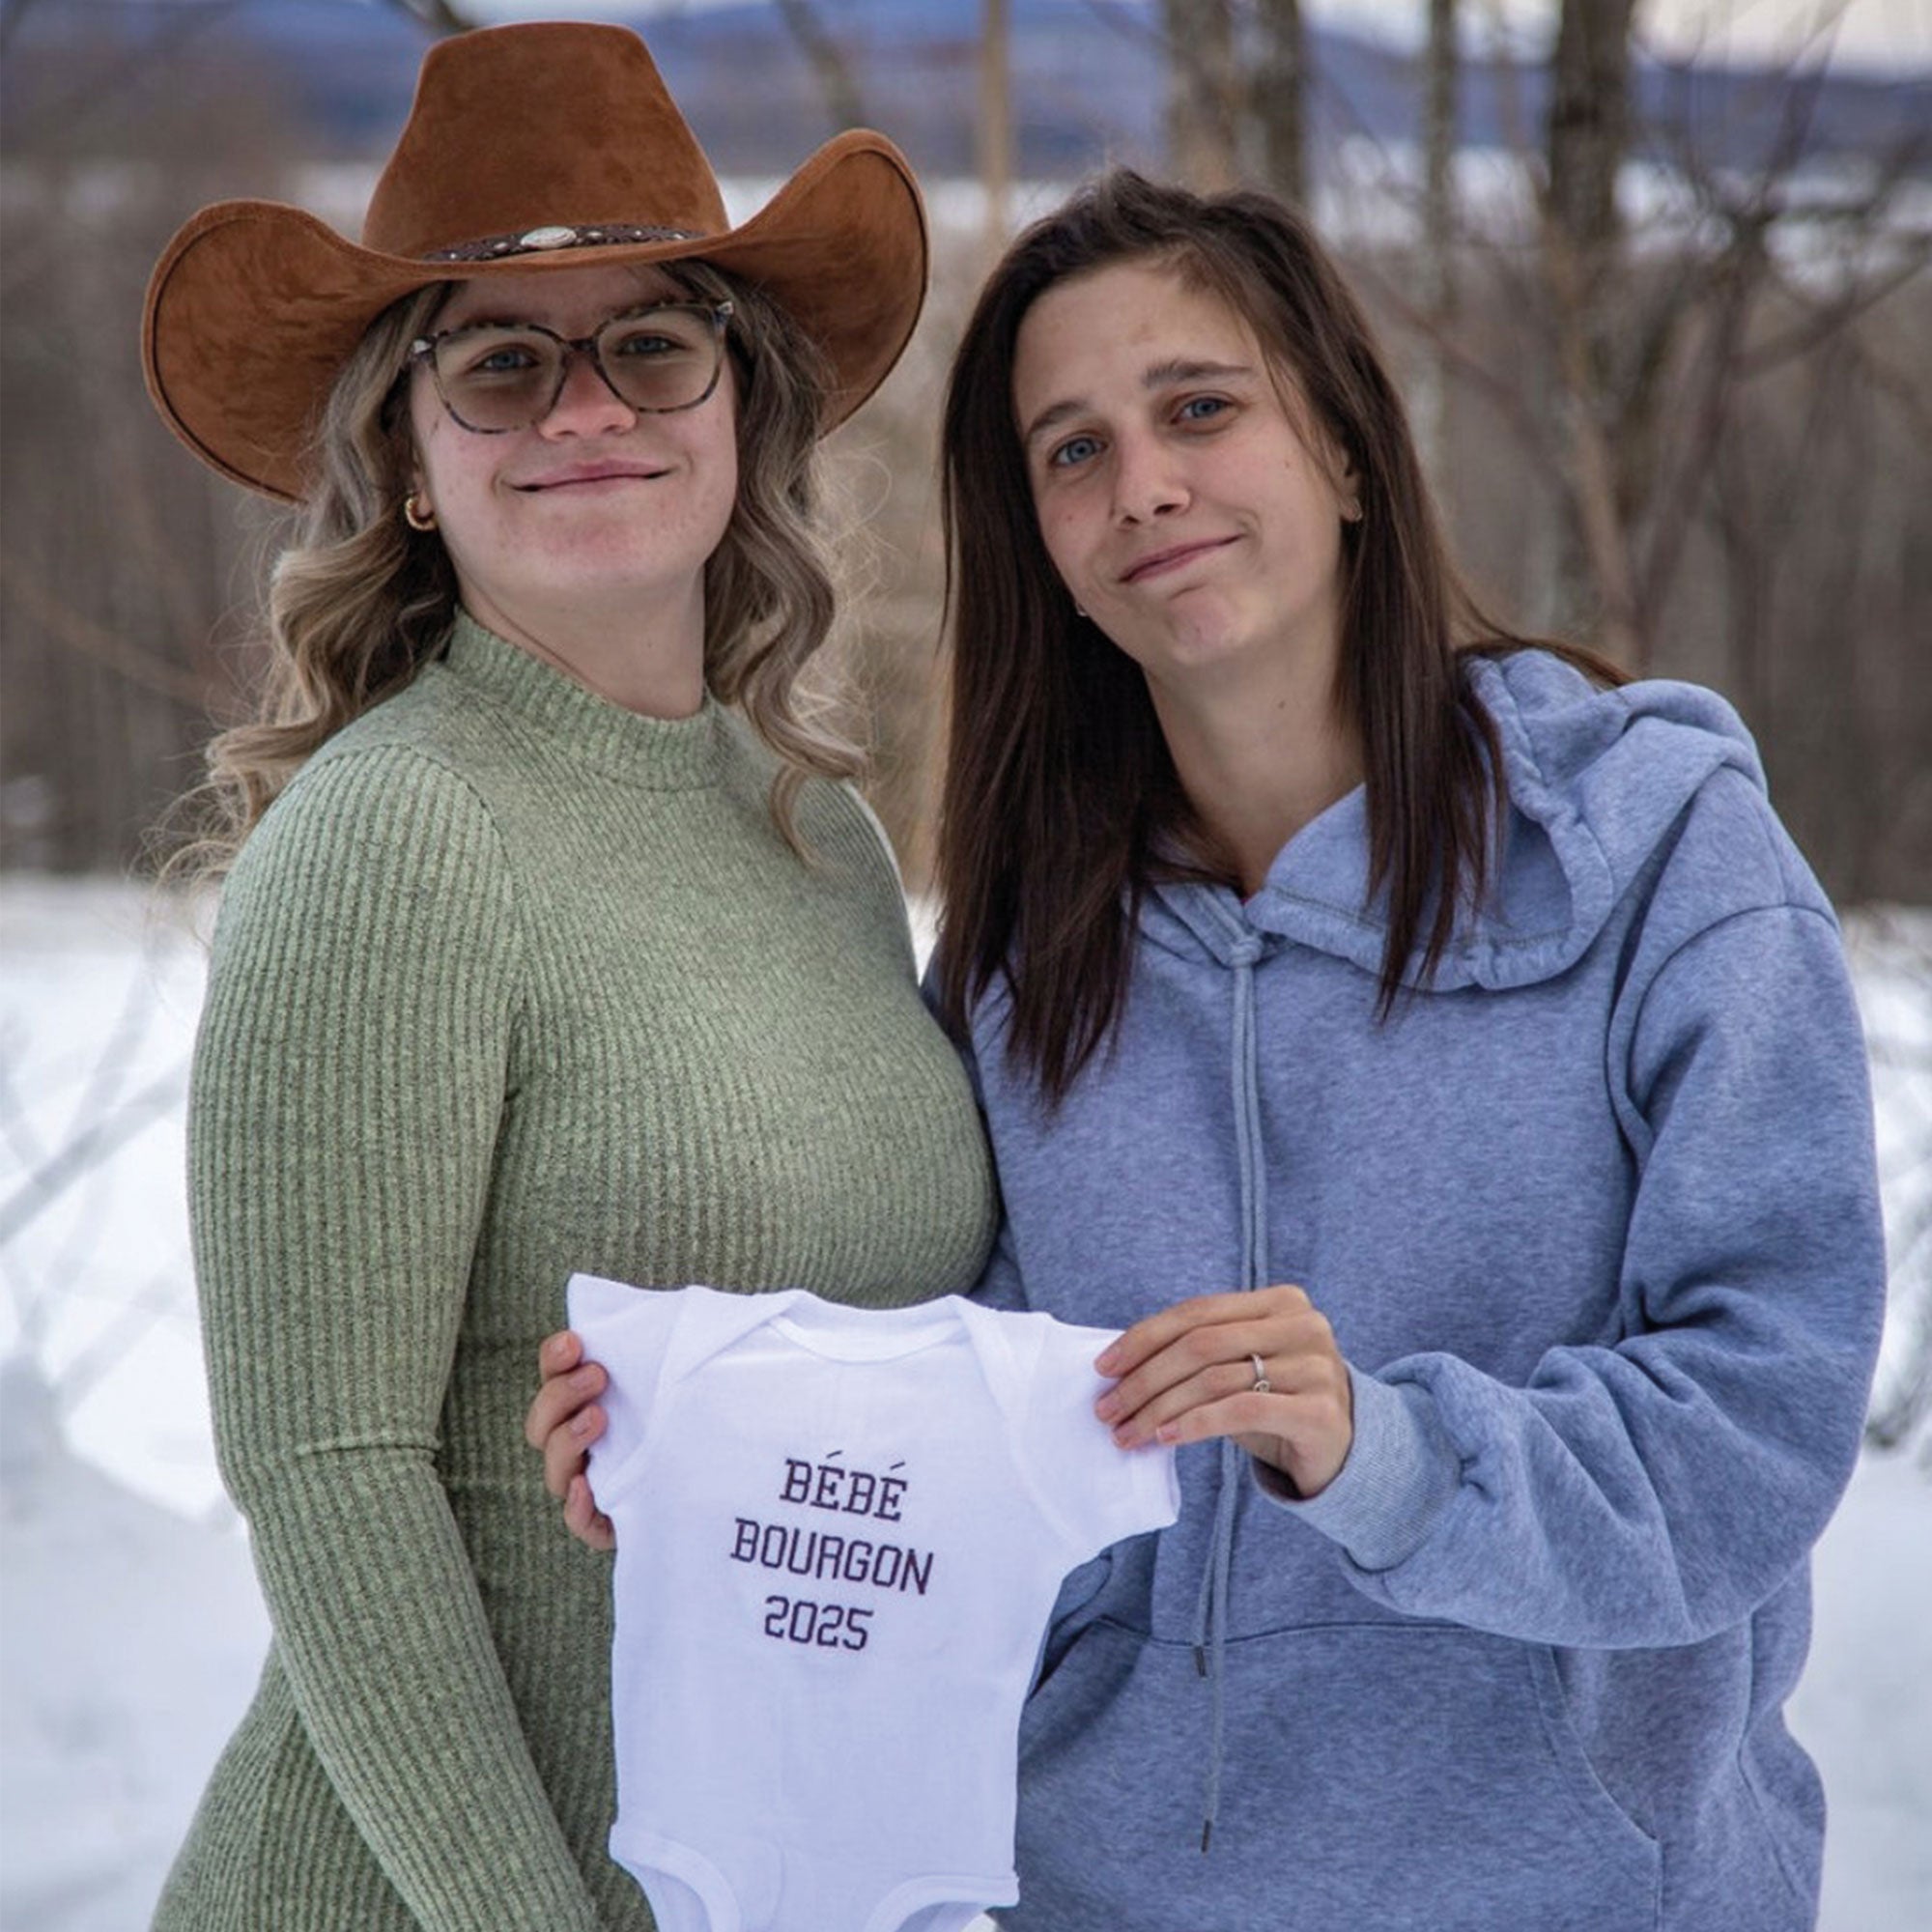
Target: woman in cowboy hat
[(550, 937)]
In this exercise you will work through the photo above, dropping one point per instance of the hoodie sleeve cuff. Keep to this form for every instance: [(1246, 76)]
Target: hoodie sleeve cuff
[(1401, 1471)]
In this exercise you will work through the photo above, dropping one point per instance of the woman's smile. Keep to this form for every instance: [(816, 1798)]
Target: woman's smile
[(590, 476), (1174, 558)]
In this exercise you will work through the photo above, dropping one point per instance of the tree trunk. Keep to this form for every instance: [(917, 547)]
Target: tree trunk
[(996, 120), (1588, 136), (1202, 92), (1441, 73), (1280, 99), (1589, 129)]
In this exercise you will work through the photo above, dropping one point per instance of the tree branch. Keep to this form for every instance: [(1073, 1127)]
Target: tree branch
[(827, 61), (147, 669)]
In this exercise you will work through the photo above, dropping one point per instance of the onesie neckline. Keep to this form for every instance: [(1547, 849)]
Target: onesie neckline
[(846, 1334)]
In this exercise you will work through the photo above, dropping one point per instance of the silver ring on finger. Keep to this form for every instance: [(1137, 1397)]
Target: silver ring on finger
[(1262, 1387)]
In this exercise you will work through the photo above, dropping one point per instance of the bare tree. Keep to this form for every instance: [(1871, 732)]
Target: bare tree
[(1645, 354), (1278, 98), (1237, 89), (1203, 94), (995, 132), (1429, 395), (1741, 425), (118, 556), (839, 85), (1589, 130), (1587, 139)]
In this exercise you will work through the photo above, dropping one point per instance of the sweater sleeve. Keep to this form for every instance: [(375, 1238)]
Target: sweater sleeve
[(1658, 1490), (348, 1077)]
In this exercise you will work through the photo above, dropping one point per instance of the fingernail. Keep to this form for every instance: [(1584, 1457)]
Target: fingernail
[(1104, 1362), (584, 1378), (579, 1424), (1107, 1408)]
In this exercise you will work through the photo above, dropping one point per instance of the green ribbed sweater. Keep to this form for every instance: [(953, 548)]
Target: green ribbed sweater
[(509, 982)]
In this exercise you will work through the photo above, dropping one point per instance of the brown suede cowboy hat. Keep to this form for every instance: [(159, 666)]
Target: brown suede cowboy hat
[(530, 147)]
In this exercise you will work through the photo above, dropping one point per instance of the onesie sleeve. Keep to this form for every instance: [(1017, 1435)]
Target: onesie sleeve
[(1656, 1492), (628, 1331), (348, 1076), (1094, 1490)]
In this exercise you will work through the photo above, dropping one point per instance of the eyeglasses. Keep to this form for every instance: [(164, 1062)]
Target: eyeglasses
[(495, 377)]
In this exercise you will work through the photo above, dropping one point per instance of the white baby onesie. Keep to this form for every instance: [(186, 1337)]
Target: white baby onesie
[(839, 1536)]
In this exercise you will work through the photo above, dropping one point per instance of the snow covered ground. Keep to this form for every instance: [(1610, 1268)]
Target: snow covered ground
[(129, 1625)]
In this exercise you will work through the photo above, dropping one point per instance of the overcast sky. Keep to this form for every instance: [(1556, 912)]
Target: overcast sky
[(1892, 34)]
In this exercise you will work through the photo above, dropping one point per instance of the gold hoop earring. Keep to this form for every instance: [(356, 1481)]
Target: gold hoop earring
[(417, 514)]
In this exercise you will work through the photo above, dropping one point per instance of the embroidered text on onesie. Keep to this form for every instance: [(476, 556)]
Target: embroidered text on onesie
[(839, 1536)]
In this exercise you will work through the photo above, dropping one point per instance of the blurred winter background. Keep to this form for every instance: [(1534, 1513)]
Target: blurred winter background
[(1654, 276)]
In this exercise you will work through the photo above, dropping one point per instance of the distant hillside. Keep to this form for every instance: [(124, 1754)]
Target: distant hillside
[(1089, 83)]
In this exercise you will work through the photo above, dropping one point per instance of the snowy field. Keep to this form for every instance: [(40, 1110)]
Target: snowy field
[(129, 1626)]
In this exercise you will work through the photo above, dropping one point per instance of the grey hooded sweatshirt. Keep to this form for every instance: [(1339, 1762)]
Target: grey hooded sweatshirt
[(1595, 1219)]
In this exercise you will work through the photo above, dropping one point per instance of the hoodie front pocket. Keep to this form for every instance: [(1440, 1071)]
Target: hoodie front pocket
[(1407, 1777)]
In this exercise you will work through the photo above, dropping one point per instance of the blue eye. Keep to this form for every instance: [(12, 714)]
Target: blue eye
[(491, 353), (1076, 450), (656, 339), (1203, 409)]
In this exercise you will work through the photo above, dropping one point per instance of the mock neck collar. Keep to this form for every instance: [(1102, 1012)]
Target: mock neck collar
[(656, 753)]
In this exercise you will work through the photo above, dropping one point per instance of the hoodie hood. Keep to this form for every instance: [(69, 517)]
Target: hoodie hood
[(1596, 779)]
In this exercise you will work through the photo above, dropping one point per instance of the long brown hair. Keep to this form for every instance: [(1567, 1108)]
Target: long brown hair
[(359, 602), (1061, 803)]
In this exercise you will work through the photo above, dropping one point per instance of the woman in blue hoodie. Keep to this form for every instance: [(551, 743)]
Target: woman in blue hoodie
[(1441, 1066)]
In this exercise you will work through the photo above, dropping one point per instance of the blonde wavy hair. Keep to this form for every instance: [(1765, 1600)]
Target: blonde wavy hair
[(357, 603)]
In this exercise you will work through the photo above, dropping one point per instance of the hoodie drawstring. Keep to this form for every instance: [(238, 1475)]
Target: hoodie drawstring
[(1210, 1639)]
